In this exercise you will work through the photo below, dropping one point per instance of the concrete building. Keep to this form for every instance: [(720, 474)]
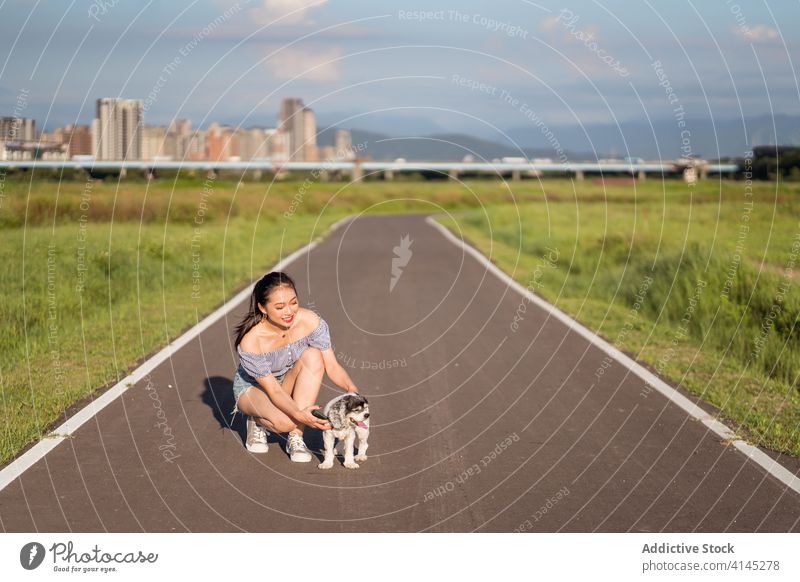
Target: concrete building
[(343, 145), (290, 122), (195, 146), (177, 140), (17, 129), (19, 141), (253, 143), (154, 144), (46, 138), (117, 129), (299, 123), (222, 142), (239, 139), (310, 151), (277, 145), (78, 139)]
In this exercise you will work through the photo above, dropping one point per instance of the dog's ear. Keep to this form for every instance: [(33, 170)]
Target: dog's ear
[(354, 401)]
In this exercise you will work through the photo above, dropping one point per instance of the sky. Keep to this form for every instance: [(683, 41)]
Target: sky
[(412, 67)]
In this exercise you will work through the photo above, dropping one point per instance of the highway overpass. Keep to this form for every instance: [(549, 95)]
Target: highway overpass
[(690, 168)]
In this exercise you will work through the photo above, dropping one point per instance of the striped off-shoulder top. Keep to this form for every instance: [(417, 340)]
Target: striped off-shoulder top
[(277, 362)]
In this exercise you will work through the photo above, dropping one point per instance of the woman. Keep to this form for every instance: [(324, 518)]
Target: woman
[(284, 351)]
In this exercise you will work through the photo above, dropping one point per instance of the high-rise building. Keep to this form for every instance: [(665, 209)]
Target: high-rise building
[(239, 139), (310, 153), (48, 146), (343, 144), (195, 146), (298, 122), (49, 138), (179, 134), (181, 126), (19, 141), (17, 129), (117, 129), (222, 142), (290, 122), (277, 145), (253, 143), (78, 139), (154, 142)]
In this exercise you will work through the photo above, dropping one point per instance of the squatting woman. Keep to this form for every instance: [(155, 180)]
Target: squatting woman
[(284, 351)]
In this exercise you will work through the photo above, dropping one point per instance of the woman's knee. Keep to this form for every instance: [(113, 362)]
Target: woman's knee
[(311, 359), (283, 424), (252, 404), (276, 422)]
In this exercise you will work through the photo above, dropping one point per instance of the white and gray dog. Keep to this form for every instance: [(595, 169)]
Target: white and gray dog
[(349, 418)]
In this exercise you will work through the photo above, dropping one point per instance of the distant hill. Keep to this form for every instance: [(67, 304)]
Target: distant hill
[(436, 147), (721, 138), (731, 137)]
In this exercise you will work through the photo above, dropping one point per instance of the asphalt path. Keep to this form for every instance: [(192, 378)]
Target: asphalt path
[(476, 426)]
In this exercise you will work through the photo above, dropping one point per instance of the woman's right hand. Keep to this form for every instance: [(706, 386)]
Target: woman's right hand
[(305, 417)]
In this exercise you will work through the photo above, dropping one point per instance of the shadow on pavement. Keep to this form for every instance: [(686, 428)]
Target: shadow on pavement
[(218, 396)]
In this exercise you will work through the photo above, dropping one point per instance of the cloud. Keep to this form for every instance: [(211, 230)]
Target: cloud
[(307, 63), (758, 33), (550, 24), (567, 28), (293, 10)]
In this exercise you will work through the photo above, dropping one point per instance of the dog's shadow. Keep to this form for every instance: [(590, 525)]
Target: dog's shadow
[(218, 396)]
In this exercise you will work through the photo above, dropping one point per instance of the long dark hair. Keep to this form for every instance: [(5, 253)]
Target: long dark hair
[(261, 291)]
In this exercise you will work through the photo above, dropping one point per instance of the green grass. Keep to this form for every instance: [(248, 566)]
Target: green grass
[(719, 312), (59, 344)]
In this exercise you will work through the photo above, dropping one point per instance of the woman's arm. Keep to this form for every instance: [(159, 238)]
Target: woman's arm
[(285, 404), (336, 373)]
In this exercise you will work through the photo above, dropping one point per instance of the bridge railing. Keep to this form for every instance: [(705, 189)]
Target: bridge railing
[(359, 167)]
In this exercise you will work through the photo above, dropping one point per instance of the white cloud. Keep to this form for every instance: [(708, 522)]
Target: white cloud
[(293, 10), (758, 33), (567, 27), (550, 23), (306, 63)]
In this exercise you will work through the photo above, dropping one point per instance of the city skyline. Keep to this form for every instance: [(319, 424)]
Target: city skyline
[(119, 132)]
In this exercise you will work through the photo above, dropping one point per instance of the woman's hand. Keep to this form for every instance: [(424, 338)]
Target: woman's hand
[(353, 389), (305, 417)]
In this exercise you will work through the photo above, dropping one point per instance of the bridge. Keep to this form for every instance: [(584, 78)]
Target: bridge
[(691, 169)]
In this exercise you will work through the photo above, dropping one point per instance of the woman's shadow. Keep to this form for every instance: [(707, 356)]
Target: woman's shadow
[(218, 395)]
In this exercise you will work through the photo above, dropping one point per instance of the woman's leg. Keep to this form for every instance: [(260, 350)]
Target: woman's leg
[(254, 402), (304, 380)]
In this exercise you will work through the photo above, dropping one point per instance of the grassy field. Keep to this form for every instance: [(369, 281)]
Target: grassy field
[(99, 274)]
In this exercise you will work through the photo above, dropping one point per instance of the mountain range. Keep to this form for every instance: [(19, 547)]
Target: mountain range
[(665, 139)]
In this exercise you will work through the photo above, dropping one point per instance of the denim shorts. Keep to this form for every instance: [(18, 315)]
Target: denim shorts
[(242, 381)]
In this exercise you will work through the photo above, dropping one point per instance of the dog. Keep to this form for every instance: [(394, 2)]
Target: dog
[(349, 418)]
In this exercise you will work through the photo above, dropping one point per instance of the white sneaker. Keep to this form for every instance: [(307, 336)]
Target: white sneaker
[(298, 452), (256, 437)]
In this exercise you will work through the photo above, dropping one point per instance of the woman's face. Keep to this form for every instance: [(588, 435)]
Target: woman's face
[(281, 305)]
